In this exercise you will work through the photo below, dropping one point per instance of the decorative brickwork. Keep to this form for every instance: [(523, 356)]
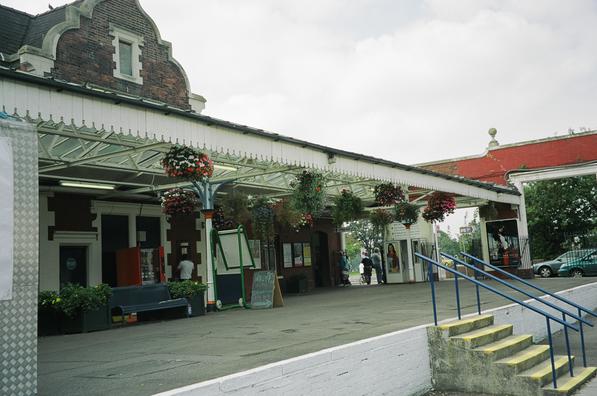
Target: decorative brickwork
[(85, 55)]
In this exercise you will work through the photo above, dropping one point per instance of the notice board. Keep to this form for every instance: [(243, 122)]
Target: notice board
[(266, 290), (6, 218)]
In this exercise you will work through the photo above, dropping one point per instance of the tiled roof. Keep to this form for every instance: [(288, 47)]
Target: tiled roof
[(19, 28)]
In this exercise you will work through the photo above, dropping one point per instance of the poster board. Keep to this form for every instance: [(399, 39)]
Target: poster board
[(298, 254), (6, 218), (287, 248), (228, 261), (265, 292), (307, 254)]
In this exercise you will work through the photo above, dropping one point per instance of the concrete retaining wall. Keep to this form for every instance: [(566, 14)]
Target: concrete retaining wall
[(394, 363)]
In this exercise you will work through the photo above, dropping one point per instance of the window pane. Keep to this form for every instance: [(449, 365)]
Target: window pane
[(126, 58)]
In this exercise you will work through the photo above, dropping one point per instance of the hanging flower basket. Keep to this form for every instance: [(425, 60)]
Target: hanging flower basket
[(308, 196), (178, 201), (406, 213), (438, 206), (347, 207), (387, 194), (286, 215), (262, 216), (380, 218), (188, 163)]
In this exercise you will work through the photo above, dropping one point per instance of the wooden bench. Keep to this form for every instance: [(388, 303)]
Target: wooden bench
[(144, 298)]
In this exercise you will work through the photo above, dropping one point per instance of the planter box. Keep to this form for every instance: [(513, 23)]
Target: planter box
[(48, 323), (84, 322), (197, 304)]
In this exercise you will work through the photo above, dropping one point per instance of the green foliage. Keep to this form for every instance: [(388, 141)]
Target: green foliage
[(262, 217), (558, 210), (367, 234), (48, 300), (186, 289), (406, 213), (380, 218), (74, 298), (447, 244), (347, 207), (236, 206), (353, 246), (308, 196), (387, 194)]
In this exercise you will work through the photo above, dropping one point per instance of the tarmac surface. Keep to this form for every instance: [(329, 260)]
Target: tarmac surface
[(147, 358)]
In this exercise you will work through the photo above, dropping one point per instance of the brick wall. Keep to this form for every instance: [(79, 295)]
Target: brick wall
[(85, 55)]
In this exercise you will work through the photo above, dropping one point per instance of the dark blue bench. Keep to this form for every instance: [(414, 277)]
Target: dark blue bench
[(129, 299)]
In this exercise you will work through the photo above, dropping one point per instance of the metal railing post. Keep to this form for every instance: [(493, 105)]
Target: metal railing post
[(430, 272), (478, 300), (582, 341), (570, 369), (457, 294), (553, 364)]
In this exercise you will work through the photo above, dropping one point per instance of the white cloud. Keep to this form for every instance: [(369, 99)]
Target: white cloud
[(403, 80)]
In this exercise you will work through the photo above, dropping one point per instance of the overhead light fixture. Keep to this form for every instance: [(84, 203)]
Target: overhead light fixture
[(225, 167), (96, 186)]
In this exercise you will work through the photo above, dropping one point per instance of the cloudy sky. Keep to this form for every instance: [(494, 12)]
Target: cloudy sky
[(409, 80), (406, 80)]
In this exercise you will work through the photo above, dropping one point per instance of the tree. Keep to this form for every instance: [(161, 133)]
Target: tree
[(559, 210), (447, 244), (367, 234)]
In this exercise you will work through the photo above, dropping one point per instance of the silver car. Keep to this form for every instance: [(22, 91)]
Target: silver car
[(550, 268)]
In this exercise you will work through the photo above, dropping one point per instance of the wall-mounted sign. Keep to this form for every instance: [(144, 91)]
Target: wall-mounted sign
[(6, 218), (466, 230), (287, 247)]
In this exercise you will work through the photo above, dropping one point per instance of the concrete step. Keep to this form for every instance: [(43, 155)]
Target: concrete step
[(541, 373), (476, 338), (567, 385), (465, 325), (506, 346), (526, 358)]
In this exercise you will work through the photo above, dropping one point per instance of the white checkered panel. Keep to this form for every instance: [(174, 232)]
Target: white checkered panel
[(18, 317)]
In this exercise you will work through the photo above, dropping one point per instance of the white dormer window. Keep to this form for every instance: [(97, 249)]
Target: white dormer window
[(127, 54)]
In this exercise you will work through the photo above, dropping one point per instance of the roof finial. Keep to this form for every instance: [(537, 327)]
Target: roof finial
[(492, 143)]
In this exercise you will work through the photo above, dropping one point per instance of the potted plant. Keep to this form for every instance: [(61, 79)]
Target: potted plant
[(177, 201), (193, 291), (287, 215), (188, 163), (387, 194), (262, 216), (438, 206), (308, 196), (380, 218), (48, 313), (85, 308), (347, 207), (406, 213)]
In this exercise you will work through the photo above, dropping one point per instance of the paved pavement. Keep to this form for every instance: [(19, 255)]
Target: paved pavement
[(152, 357)]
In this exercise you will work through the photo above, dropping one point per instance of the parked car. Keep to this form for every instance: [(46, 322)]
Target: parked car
[(582, 266), (551, 267)]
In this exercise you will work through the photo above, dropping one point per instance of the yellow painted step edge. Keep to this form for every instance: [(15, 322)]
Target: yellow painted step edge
[(448, 326), (534, 350), (577, 379), (558, 362), (480, 333), (488, 349)]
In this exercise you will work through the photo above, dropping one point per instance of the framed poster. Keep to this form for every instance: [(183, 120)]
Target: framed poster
[(503, 243), (298, 254), (307, 254), (287, 250), (6, 218)]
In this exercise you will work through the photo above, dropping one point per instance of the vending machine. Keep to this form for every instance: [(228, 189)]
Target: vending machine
[(137, 266)]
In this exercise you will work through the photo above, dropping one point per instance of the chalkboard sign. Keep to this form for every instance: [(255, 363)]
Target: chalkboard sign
[(262, 295)]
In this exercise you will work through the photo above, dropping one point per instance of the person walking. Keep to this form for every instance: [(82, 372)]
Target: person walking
[(185, 267), (344, 273), (376, 259)]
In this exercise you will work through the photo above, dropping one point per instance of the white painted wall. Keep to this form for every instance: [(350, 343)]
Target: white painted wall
[(394, 363)]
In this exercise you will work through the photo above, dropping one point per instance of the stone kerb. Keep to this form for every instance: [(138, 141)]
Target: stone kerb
[(377, 365)]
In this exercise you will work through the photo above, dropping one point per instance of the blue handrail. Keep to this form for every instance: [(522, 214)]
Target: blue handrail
[(565, 300), (496, 291), (586, 310), (547, 316), (562, 310)]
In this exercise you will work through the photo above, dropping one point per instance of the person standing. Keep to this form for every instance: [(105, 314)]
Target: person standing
[(367, 267), (344, 273), (185, 267), (376, 259)]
